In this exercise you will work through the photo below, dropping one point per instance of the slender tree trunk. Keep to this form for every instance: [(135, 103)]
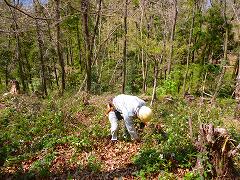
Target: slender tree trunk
[(71, 52), (40, 46), (172, 37), (144, 69), (7, 65), (59, 48), (18, 50), (95, 32), (225, 45), (79, 48), (6, 75), (125, 48), (49, 72), (89, 41), (52, 59), (55, 73), (67, 53), (155, 81), (18, 54), (29, 71), (189, 51), (98, 62), (156, 68)]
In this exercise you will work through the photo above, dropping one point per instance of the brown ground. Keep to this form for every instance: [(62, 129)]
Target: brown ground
[(114, 159)]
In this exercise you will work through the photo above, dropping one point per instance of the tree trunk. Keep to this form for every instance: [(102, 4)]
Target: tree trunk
[(225, 46), (59, 48), (189, 51), (71, 52), (155, 81), (40, 46), (156, 68), (79, 48), (18, 49), (67, 53), (29, 79), (55, 73), (6, 75), (124, 48), (144, 69), (172, 37), (7, 65), (89, 41)]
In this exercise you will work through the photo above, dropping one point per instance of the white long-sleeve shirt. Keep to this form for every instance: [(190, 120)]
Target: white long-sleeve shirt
[(128, 105)]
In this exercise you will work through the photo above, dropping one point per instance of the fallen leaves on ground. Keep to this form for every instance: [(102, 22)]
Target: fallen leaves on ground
[(114, 157)]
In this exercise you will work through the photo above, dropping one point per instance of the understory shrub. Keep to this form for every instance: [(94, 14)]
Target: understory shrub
[(149, 161)]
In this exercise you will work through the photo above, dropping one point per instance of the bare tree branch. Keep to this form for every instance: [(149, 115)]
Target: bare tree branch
[(25, 13)]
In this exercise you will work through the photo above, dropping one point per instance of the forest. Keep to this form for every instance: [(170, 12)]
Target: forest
[(61, 61)]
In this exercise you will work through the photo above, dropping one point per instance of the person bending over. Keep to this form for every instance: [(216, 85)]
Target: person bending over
[(127, 107)]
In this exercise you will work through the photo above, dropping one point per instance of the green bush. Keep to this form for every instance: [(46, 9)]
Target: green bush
[(149, 161), (41, 167), (93, 164)]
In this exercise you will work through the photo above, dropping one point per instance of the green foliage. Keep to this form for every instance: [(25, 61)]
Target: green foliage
[(74, 80), (171, 85), (192, 176), (5, 116), (136, 2), (134, 80), (93, 164), (71, 22), (168, 87), (228, 87), (3, 151), (99, 132), (41, 166), (81, 143), (206, 74), (149, 161), (29, 125)]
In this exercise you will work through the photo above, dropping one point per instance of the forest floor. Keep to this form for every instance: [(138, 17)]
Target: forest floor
[(104, 159), (115, 157), (115, 162)]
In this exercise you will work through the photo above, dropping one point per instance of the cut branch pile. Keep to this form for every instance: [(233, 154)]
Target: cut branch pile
[(217, 151)]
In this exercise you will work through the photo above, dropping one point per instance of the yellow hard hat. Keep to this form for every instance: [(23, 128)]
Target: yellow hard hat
[(145, 114)]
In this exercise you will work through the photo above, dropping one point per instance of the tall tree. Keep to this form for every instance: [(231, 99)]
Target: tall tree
[(89, 38), (144, 66), (125, 47), (18, 52), (189, 49), (41, 49), (174, 21), (225, 47), (59, 46)]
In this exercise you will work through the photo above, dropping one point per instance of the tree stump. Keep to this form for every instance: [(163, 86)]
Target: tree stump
[(217, 151), (15, 88)]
